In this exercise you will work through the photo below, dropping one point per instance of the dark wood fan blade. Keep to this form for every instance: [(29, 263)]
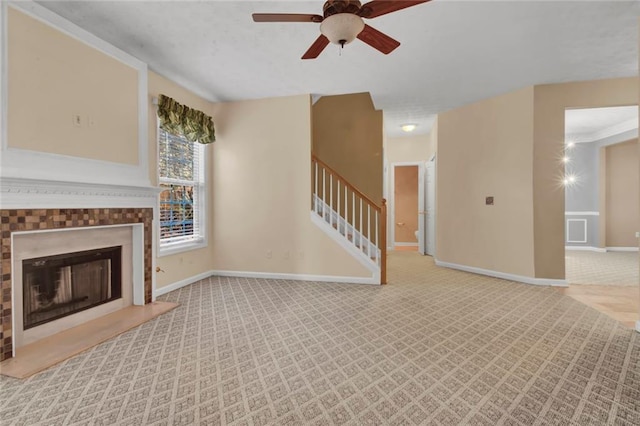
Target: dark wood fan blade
[(376, 8), (316, 48), (378, 40), (286, 17)]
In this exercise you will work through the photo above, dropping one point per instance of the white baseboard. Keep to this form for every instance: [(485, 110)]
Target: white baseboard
[(175, 286), (267, 275), (405, 244), (297, 277), (600, 249), (504, 276), (586, 248), (638, 326)]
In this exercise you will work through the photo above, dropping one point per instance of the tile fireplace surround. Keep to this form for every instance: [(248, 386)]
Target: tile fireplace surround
[(14, 220)]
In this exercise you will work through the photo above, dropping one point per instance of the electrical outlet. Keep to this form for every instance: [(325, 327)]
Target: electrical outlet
[(91, 121)]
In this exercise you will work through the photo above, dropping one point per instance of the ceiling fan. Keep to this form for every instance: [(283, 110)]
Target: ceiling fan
[(342, 22)]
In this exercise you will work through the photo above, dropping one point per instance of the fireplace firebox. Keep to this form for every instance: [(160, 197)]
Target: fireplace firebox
[(61, 285)]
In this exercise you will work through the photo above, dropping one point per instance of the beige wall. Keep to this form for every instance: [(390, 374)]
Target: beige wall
[(194, 262), (550, 104), (536, 169), (261, 192), (486, 149), (53, 77), (409, 148), (406, 204), (347, 135), (622, 189)]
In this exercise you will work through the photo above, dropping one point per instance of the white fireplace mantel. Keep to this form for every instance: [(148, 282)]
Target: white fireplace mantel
[(18, 193), (34, 194)]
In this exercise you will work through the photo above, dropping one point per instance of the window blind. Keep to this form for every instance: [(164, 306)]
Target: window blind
[(181, 176)]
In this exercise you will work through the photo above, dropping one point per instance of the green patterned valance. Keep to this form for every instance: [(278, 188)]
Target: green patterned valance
[(181, 120)]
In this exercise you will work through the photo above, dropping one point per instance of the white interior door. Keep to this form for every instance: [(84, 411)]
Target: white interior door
[(422, 244), (431, 207)]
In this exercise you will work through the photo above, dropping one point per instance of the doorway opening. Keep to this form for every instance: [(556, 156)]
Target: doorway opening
[(405, 207), (412, 207), (602, 186)]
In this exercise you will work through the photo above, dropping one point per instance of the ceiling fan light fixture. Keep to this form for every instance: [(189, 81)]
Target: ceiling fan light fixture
[(342, 28)]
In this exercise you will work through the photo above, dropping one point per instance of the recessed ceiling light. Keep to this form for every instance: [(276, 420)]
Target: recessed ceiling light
[(408, 128), (571, 144)]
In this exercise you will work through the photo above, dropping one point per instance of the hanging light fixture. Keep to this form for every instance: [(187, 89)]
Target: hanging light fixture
[(342, 28)]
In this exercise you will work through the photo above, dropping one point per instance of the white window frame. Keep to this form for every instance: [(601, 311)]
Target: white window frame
[(201, 241)]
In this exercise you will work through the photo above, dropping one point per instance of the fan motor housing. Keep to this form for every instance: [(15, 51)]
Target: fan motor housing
[(333, 7)]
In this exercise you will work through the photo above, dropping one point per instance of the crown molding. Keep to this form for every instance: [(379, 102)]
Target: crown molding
[(617, 129)]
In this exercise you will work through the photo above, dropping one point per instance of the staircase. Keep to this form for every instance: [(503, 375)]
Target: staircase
[(350, 217)]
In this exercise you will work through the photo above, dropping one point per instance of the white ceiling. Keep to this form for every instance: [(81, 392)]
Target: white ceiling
[(452, 53), (593, 124)]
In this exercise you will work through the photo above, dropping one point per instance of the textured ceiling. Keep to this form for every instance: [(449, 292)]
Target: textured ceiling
[(452, 52), (591, 124)]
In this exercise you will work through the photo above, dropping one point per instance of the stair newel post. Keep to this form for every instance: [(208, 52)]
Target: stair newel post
[(383, 242), (376, 214)]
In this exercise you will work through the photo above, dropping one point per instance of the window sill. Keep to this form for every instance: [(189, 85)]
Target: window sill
[(170, 249)]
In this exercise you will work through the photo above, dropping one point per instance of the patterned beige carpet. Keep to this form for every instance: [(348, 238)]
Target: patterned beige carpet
[(610, 268), (435, 346)]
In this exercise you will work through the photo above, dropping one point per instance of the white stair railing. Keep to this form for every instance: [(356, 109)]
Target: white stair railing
[(362, 222)]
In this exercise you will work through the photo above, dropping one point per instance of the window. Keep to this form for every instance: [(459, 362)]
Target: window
[(182, 201)]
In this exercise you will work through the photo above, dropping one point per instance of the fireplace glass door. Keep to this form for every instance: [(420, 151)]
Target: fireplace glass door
[(61, 285)]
